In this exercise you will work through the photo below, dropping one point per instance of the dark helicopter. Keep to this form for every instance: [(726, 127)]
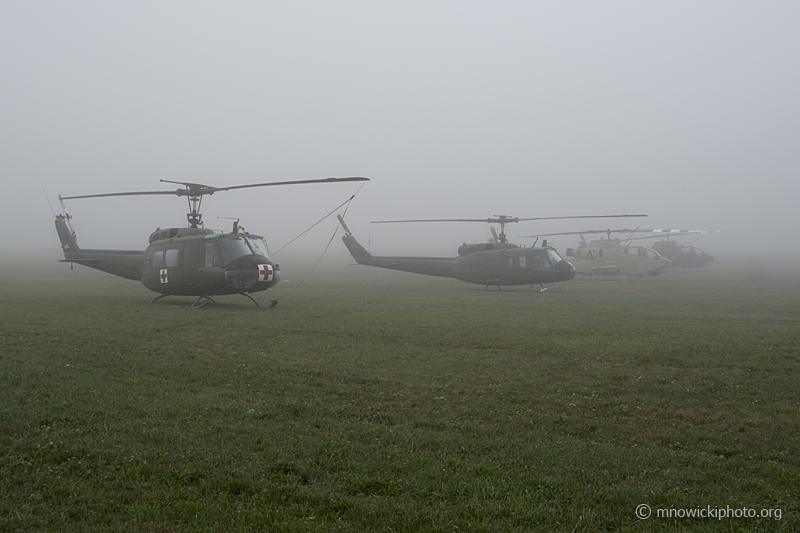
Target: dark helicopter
[(495, 263), (681, 255), (191, 261)]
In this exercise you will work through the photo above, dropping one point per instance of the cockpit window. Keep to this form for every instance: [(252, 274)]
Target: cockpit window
[(632, 250), (554, 257), (233, 248), (649, 254), (171, 258), (158, 259), (258, 244), (211, 256)]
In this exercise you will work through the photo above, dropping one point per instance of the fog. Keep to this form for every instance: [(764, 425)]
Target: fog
[(685, 111)]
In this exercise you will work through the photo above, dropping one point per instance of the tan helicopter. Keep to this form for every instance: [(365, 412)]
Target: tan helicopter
[(609, 256), (192, 261), (493, 264)]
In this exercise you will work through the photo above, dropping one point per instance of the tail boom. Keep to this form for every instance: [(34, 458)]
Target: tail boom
[(430, 266), (123, 263)]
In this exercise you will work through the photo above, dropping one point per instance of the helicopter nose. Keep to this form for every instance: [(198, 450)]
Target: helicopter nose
[(565, 268), (246, 271)]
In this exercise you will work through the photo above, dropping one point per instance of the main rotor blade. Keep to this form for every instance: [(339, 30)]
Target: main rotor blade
[(295, 182), (658, 233), (581, 216), (198, 189), (139, 193), (655, 232), (431, 220), (580, 232), (499, 219)]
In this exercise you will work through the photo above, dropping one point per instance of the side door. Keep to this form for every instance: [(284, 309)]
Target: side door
[(209, 270), (163, 272), (192, 261), (172, 266)]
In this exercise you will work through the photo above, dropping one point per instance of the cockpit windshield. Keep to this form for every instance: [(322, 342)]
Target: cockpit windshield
[(554, 257), (258, 244), (233, 247), (649, 254)]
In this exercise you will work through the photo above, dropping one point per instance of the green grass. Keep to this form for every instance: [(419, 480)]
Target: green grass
[(380, 401)]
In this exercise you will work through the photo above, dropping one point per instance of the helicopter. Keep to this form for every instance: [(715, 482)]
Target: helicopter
[(191, 261), (494, 263), (612, 256), (681, 255)]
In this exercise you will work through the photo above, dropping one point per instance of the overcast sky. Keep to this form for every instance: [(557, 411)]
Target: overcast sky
[(687, 111)]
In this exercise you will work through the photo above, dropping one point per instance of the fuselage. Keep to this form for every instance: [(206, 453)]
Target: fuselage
[(199, 261), (184, 261), (487, 264), (511, 265), (610, 256), (682, 256)]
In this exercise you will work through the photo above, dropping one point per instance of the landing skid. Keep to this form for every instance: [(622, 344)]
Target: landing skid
[(493, 283), (543, 288), (272, 304), (202, 302), (251, 298), (198, 304), (157, 298)]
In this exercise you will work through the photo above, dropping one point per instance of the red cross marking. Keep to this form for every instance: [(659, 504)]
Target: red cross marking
[(163, 275), (264, 272)]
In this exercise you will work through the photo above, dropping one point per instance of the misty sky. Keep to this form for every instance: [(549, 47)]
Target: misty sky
[(686, 111)]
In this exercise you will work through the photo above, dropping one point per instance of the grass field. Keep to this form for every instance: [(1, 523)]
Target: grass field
[(381, 401)]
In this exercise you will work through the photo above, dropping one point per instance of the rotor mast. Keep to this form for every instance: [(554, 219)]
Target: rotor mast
[(194, 194), (194, 217), (502, 220)]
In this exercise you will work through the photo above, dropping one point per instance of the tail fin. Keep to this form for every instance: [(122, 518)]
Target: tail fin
[(358, 252), (65, 233)]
